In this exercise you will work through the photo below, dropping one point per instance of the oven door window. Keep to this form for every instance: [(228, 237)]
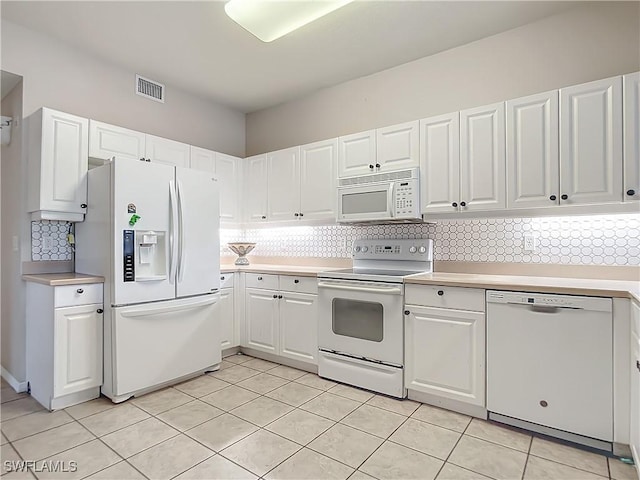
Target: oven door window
[(358, 319)]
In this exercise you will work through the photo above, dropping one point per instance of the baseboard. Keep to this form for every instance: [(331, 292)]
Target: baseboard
[(19, 387)]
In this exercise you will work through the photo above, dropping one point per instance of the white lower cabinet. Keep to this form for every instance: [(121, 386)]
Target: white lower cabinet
[(282, 322), (634, 432), (445, 344), (227, 317), (64, 343)]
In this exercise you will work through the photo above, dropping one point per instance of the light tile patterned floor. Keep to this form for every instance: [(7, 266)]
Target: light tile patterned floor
[(257, 419)]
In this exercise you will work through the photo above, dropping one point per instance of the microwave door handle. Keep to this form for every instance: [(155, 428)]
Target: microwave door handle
[(390, 199)]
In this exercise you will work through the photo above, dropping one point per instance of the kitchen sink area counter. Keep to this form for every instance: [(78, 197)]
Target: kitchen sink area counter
[(300, 270)]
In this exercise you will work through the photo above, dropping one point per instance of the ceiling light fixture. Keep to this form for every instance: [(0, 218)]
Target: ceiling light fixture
[(272, 19)]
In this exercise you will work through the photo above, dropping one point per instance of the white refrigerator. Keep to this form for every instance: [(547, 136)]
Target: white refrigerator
[(152, 231)]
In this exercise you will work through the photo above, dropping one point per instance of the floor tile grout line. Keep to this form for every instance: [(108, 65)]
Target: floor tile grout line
[(573, 466), (41, 431), (526, 463), (454, 447), (124, 459)]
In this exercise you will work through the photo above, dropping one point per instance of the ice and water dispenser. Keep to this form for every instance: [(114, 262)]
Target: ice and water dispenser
[(144, 255)]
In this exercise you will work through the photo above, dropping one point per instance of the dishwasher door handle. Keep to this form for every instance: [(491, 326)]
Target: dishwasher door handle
[(542, 308)]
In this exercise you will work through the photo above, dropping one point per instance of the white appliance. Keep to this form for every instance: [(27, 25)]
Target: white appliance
[(152, 231), (380, 197), (360, 314), (550, 365)]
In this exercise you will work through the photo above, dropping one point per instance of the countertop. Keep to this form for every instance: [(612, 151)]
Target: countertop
[(59, 279), (570, 286)]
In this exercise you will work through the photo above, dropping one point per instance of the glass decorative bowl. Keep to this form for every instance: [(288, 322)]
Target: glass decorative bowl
[(241, 249)]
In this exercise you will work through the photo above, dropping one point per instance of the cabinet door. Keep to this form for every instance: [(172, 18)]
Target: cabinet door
[(202, 159), (632, 136), (255, 194), (440, 163), (299, 326), (634, 433), (228, 174), (109, 141), (283, 184), (318, 180), (482, 158), (357, 154), (445, 353), (167, 152), (533, 170), (227, 318), (397, 147), (63, 163), (591, 142), (77, 349), (261, 317)]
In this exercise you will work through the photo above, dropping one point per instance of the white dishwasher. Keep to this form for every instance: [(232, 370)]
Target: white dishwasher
[(550, 365)]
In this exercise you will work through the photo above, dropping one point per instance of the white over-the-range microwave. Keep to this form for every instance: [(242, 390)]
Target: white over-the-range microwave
[(380, 198)]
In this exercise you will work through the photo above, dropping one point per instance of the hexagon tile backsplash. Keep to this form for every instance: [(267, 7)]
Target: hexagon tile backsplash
[(579, 240)]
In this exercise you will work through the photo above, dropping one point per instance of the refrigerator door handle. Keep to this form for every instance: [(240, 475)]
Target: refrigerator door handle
[(180, 232), (174, 232)]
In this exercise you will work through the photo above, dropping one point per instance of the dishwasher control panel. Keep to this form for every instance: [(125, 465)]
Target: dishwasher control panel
[(549, 300)]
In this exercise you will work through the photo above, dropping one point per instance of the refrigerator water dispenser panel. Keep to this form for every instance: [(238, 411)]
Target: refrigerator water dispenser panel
[(151, 257), (128, 260)]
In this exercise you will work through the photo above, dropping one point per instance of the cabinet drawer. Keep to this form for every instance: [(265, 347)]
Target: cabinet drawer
[(291, 283), (226, 280), (261, 280), (71, 295), (460, 298)]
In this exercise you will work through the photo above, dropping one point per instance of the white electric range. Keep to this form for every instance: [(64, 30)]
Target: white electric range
[(360, 314)]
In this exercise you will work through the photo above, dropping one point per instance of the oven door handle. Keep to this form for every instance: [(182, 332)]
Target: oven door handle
[(384, 290)]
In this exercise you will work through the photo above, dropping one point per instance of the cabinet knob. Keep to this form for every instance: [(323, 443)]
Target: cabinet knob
[(222, 278), (99, 310), (440, 292), (83, 205), (371, 166), (454, 204), (407, 312), (80, 290), (279, 296), (377, 165), (564, 197), (302, 214), (631, 192), (296, 214), (264, 217), (463, 204), (259, 278), (543, 403), (143, 159), (275, 296), (638, 365), (296, 281), (553, 198), (148, 160)]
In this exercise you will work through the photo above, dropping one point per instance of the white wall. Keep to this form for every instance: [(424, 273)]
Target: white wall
[(580, 45), (63, 78), (13, 328)]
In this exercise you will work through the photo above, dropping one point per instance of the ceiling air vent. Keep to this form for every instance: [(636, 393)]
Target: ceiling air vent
[(149, 89)]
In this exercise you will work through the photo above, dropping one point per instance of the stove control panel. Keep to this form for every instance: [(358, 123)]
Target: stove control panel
[(420, 249)]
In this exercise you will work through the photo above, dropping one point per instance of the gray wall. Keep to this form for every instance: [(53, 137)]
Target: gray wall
[(66, 79), (582, 44), (13, 196)]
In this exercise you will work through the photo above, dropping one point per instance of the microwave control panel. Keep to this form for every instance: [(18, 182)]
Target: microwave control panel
[(405, 201)]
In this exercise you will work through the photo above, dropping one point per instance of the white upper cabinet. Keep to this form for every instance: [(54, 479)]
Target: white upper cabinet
[(58, 163), (167, 152), (283, 180), (107, 142), (440, 163), (482, 158), (591, 142), (255, 188), (202, 159), (632, 136), (228, 171), (318, 180), (532, 151), (397, 147), (357, 154)]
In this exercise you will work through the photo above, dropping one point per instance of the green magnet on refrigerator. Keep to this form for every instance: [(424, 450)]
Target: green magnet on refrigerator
[(134, 218)]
